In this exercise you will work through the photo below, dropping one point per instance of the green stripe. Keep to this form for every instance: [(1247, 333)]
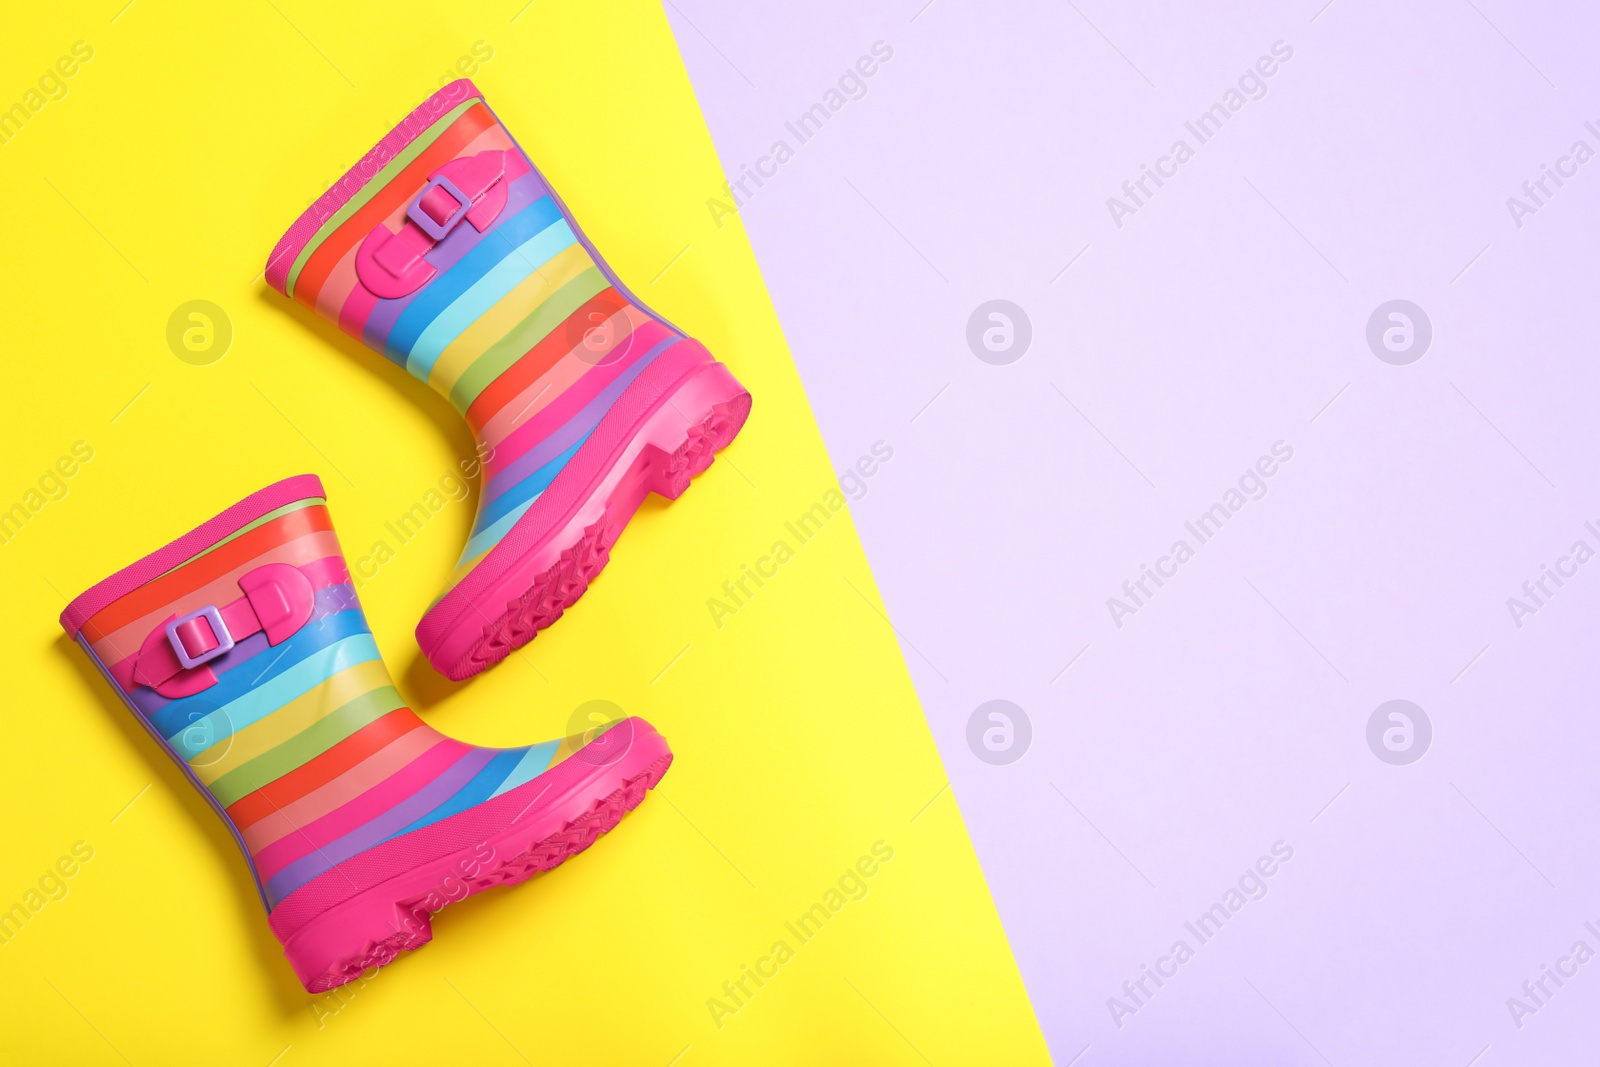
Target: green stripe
[(499, 357), (262, 521), (306, 745), (373, 186)]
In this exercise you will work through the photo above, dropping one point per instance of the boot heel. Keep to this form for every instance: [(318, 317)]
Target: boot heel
[(542, 826), (716, 406), (688, 407), (337, 946)]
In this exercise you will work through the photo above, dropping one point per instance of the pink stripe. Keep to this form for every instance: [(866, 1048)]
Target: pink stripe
[(362, 810), (538, 802), (129, 639), (342, 281), (322, 573), (563, 408), (353, 316), (547, 388), (372, 771), (394, 142), (191, 544), (343, 286)]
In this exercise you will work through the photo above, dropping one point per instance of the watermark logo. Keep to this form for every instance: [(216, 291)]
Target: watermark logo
[(208, 737), (468, 64), (999, 732), (851, 887), (1399, 732), (1138, 592), (850, 85), (1538, 191), (1399, 332), (52, 86), (999, 332), (602, 730), (1537, 992), (413, 920), (408, 525), (1137, 192), (1537, 592), (199, 332), (1251, 885), (600, 337), (52, 886), (52, 486), (739, 591)]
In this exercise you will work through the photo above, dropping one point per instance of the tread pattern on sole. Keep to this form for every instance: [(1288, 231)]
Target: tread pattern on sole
[(558, 588), (546, 854)]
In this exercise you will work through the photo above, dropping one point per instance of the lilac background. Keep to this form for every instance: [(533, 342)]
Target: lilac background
[(1229, 313)]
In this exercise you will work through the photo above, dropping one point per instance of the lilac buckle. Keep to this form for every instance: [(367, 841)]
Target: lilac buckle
[(219, 632), (419, 215)]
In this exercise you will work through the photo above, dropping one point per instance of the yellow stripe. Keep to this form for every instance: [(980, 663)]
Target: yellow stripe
[(572, 744), (511, 309), (465, 568), (569, 746), (289, 720)]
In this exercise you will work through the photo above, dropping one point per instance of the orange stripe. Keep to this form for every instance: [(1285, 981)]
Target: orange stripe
[(538, 360), (115, 645), (400, 189), (371, 772), (342, 281), (191, 576), (316, 773)]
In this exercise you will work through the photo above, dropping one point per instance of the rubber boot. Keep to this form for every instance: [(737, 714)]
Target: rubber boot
[(445, 249), (242, 649)]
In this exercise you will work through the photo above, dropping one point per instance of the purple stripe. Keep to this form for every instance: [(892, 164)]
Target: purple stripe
[(381, 828), (331, 599), (583, 238), (447, 253), (567, 435), (188, 771)]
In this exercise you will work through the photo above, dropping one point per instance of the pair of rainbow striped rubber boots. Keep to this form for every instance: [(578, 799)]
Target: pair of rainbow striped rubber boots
[(241, 646)]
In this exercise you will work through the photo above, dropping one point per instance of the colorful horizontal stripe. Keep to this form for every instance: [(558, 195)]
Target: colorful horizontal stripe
[(525, 333), (305, 745)]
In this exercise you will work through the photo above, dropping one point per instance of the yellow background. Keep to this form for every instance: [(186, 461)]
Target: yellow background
[(181, 151)]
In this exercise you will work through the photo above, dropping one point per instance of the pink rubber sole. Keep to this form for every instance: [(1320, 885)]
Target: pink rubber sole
[(373, 927), (665, 429)]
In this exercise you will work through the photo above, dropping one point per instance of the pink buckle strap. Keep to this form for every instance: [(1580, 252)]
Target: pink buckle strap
[(278, 599), (474, 188)]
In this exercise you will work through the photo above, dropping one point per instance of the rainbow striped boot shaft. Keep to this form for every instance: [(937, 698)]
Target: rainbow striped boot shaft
[(242, 649), (445, 249)]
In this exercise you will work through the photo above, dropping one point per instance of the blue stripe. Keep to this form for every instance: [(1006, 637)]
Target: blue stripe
[(269, 697), (496, 245), (331, 599), (483, 542), (534, 763), (373, 832), (473, 793), (445, 255), (245, 675), (485, 293), (526, 490), (580, 423)]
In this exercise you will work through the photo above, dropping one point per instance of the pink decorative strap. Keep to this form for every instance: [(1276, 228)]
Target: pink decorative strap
[(278, 598), (312, 219), (473, 188)]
